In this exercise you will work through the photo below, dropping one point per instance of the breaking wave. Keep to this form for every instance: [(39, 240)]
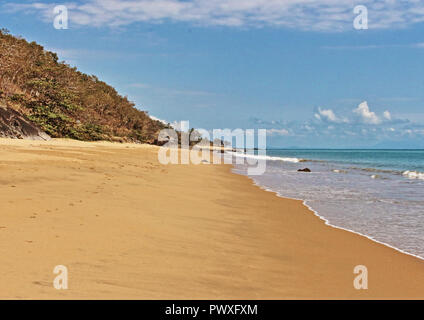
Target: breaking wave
[(262, 157), (414, 175)]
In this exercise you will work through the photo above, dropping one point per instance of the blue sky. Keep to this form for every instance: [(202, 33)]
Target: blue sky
[(295, 67)]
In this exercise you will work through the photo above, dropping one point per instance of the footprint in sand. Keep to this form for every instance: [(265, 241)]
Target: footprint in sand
[(42, 283)]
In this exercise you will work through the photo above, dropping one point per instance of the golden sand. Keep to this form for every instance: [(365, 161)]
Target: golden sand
[(127, 227)]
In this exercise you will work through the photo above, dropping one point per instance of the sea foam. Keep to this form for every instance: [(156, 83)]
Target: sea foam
[(414, 175), (263, 157)]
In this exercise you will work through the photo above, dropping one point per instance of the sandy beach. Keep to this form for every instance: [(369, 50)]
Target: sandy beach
[(127, 227)]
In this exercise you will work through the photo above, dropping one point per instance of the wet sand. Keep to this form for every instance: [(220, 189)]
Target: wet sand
[(127, 227)]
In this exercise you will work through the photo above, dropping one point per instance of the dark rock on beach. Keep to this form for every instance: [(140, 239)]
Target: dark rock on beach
[(15, 125), (304, 170)]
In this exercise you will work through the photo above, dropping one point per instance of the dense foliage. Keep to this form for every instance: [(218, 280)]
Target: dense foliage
[(64, 102)]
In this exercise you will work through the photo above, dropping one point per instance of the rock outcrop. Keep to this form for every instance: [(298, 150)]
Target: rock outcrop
[(15, 125)]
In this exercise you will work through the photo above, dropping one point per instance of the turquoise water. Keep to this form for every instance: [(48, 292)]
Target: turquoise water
[(377, 193), (394, 160)]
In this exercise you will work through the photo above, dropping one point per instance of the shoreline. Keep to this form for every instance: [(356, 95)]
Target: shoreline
[(327, 222), (128, 227)]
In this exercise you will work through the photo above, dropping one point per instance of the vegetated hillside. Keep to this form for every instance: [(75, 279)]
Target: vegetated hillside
[(62, 101)]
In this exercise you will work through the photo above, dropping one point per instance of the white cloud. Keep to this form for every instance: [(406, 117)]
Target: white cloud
[(278, 132), (366, 115), (361, 128), (178, 125), (387, 115), (317, 15), (362, 115), (326, 115), (157, 119)]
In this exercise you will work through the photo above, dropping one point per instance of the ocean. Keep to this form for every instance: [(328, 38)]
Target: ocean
[(376, 193)]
